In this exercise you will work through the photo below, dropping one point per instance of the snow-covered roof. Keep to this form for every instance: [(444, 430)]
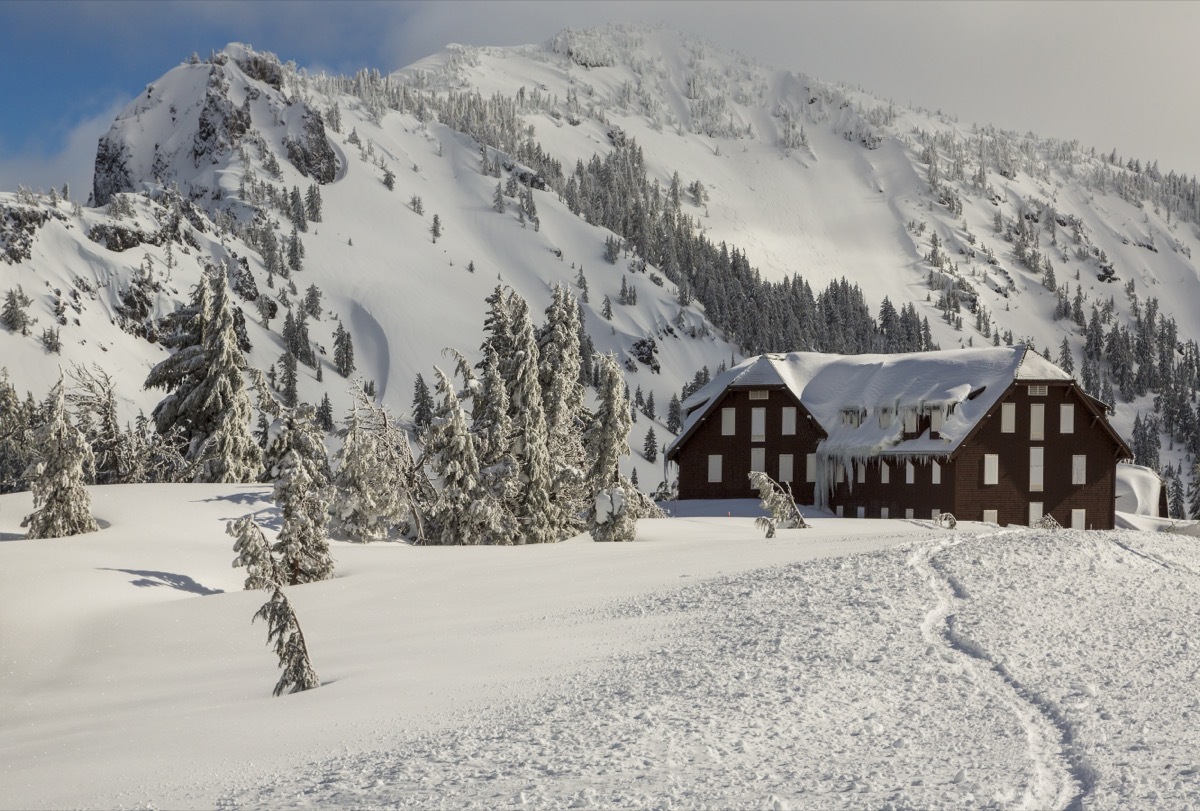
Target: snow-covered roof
[(887, 386)]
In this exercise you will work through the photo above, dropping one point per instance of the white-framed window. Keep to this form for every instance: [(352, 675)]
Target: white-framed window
[(883, 512), (1036, 469), (759, 394), (910, 473), (1066, 418), (885, 472), (885, 418), (991, 468), (908, 513), (728, 421), (1035, 512), (935, 420), (1037, 421), (991, 516), (861, 512), (936, 514), (839, 511), (758, 459), (1078, 519), (714, 468), (839, 475), (810, 468), (789, 421), (937, 473), (1079, 469), (861, 469), (1038, 391), (1008, 418), (785, 467), (758, 424), (910, 421)]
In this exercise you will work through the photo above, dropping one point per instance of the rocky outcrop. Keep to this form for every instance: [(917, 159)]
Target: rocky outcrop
[(111, 170)]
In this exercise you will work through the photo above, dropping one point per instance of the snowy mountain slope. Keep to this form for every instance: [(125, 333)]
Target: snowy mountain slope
[(804, 176), (873, 662)]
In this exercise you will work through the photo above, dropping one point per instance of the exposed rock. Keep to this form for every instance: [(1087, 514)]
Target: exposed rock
[(311, 154), (111, 170)]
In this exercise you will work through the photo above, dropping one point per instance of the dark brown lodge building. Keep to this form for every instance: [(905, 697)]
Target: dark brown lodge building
[(994, 434)]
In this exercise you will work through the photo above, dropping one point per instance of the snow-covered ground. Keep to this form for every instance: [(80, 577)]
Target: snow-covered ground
[(863, 663)]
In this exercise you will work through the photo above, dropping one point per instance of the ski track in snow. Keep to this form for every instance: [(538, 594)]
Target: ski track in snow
[(1050, 782), (777, 688)]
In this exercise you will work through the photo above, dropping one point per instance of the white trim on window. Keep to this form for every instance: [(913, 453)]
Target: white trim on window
[(1079, 469), (885, 472), (1037, 421), (714, 468), (935, 420), (1078, 519), (759, 394), (1008, 418), (789, 421), (728, 421), (908, 513), (861, 469), (861, 512), (936, 473), (1035, 512), (883, 512), (910, 473), (1038, 391), (758, 424), (1066, 418), (758, 459), (1037, 469), (991, 516), (991, 468), (786, 465), (810, 468), (910, 421)]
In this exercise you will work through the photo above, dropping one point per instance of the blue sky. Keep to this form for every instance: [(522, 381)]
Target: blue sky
[(1110, 74)]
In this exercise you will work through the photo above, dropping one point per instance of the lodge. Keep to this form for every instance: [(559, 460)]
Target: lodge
[(995, 434)]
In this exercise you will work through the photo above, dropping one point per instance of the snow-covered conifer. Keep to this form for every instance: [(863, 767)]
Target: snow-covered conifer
[(303, 501), (463, 512), (650, 445), (288, 378), (606, 440), (296, 429), (779, 502), (540, 523), (422, 404), (61, 505), (13, 316), (254, 554), (1194, 506), (284, 630), (208, 400), (562, 398), (312, 301), (435, 227)]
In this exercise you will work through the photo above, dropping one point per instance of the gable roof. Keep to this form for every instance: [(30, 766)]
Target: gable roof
[(829, 384)]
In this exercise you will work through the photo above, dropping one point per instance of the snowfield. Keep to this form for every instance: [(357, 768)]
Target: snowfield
[(858, 663)]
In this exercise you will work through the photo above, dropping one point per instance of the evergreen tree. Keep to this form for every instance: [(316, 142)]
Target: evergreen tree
[(417, 205), (343, 351), (649, 409), (1175, 502), (435, 228), (16, 438), (674, 415), (13, 316), (606, 309), (779, 502), (650, 446), (611, 515), (1194, 506), (533, 507), (375, 483), (389, 179), (288, 380), (498, 199), (284, 630), (312, 301), (303, 502), (208, 404), (325, 413), (422, 404), (254, 554), (562, 398), (1066, 359), (297, 211), (61, 505), (312, 203), (463, 512)]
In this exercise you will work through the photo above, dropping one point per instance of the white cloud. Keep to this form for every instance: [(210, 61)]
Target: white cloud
[(38, 168)]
